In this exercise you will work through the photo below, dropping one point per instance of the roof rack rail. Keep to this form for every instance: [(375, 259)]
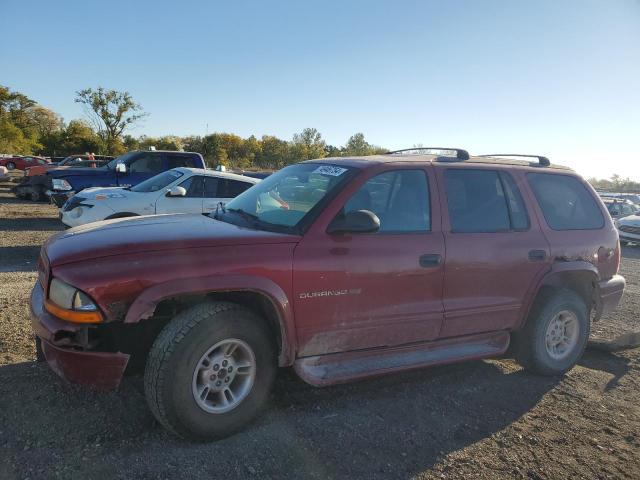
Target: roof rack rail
[(460, 153), (542, 161)]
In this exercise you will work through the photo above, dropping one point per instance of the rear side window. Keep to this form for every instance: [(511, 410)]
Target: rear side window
[(565, 202), (210, 187), (484, 201), (231, 188), (176, 161)]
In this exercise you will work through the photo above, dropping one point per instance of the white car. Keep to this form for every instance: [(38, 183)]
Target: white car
[(180, 190), (629, 229)]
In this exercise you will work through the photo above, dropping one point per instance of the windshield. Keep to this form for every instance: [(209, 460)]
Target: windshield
[(158, 182), (286, 197), (121, 159)]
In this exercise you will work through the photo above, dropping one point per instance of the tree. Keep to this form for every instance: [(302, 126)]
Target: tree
[(274, 153), (306, 145), (111, 112)]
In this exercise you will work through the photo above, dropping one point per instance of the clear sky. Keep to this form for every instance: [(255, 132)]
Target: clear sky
[(556, 77)]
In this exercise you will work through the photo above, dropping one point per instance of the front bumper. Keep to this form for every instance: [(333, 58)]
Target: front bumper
[(100, 370), (609, 294)]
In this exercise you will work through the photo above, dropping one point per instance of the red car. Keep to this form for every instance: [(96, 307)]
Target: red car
[(340, 268), (22, 163)]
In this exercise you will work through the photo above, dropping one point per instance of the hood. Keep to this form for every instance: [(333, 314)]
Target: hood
[(61, 172), (630, 220), (115, 192), (152, 233)]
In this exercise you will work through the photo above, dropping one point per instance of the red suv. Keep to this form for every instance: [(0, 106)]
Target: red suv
[(341, 268)]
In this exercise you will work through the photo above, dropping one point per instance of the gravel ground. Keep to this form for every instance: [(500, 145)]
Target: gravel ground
[(483, 419)]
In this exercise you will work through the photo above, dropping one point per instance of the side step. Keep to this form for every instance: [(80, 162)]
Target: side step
[(344, 367)]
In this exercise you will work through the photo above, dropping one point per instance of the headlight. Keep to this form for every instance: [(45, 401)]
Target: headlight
[(66, 296), (60, 184), (69, 303)]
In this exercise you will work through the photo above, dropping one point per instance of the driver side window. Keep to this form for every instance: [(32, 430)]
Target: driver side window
[(194, 186), (148, 163), (399, 198)]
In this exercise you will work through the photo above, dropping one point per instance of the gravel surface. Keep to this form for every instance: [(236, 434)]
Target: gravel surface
[(483, 419)]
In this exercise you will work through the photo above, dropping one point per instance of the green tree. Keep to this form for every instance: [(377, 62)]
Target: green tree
[(77, 137), (274, 153), (111, 112), (306, 145)]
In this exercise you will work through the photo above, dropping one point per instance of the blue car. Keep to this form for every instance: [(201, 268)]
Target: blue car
[(124, 171)]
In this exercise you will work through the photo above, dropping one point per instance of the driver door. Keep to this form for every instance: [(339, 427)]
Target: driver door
[(190, 203), (368, 290)]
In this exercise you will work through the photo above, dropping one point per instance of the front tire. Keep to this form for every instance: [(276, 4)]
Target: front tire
[(210, 371), (11, 166), (555, 335)]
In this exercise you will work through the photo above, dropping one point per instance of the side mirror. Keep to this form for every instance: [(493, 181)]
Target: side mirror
[(121, 168), (356, 221), (176, 192)]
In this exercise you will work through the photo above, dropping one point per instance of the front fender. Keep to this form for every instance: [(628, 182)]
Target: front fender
[(145, 304)]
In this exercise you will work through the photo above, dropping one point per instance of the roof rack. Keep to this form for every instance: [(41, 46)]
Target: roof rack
[(542, 161), (460, 154)]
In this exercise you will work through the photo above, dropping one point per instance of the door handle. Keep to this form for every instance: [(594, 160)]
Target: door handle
[(537, 255), (430, 260)]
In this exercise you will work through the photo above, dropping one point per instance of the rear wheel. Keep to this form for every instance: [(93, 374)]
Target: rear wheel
[(35, 196), (11, 166), (555, 335), (210, 370)]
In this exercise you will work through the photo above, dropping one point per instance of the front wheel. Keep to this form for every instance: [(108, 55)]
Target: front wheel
[(210, 370), (11, 166), (555, 335)]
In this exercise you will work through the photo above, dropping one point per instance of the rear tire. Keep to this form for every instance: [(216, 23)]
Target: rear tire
[(35, 196), (11, 166), (555, 335), (188, 359)]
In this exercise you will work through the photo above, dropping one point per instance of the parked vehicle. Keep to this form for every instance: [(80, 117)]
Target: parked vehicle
[(341, 268), (125, 171), (180, 190), (629, 229), (22, 163), (619, 208), (633, 197), (34, 182)]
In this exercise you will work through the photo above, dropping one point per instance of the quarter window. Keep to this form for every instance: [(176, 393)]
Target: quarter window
[(565, 202), (399, 198), (484, 201)]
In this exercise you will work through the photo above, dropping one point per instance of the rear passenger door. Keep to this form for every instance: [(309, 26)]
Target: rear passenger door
[(495, 254)]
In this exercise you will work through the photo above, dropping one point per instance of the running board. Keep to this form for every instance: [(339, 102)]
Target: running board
[(345, 367)]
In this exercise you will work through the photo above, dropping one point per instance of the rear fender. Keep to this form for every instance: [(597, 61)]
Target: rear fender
[(578, 275), (145, 304)]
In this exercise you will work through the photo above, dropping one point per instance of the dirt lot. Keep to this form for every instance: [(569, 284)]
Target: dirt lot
[(484, 419)]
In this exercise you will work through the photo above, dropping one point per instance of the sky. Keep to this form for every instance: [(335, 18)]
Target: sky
[(559, 78)]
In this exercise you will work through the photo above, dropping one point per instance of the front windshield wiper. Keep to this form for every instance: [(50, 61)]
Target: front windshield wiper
[(249, 217)]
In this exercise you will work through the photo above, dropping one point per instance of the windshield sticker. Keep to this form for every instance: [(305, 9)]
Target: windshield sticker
[(330, 170)]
